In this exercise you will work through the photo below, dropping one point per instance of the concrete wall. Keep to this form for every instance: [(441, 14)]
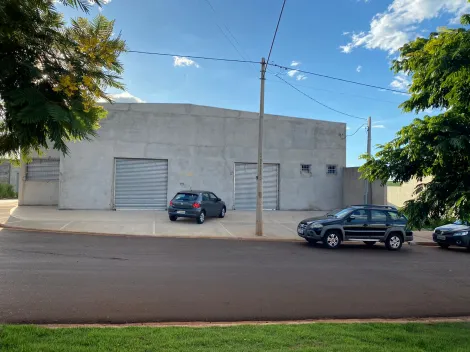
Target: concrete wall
[(398, 195), (353, 188), (201, 145), (38, 192)]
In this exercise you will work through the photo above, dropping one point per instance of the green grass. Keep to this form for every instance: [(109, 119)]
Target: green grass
[(311, 337), (393, 184)]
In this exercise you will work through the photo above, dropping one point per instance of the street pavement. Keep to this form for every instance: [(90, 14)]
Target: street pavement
[(65, 278), (278, 225)]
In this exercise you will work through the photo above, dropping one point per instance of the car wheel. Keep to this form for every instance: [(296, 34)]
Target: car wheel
[(222, 213), (370, 243), (311, 241), (200, 219), (444, 245), (394, 242), (332, 239), (173, 218)]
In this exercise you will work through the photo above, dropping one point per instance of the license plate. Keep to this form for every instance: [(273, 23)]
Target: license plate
[(180, 212), (440, 237), (300, 231)]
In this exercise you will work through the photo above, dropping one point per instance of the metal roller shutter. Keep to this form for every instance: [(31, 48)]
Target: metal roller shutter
[(141, 184), (245, 186), (43, 170)]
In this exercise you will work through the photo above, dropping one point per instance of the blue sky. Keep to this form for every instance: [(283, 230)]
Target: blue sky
[(351, 39)]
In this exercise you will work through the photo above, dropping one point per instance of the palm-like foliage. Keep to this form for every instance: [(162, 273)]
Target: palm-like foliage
[(51, 76)]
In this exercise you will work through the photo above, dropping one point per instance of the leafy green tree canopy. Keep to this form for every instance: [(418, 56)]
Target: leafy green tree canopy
[(434, 146), (52, 75)]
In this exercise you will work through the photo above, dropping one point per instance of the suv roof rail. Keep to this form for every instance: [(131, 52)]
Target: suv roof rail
[(391, 207)]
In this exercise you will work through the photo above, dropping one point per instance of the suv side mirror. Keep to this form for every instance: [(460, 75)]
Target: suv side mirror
[(351, 218), (218, 199)]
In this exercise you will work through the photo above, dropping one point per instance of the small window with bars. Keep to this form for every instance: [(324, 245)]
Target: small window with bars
[(43, 170), (331, 169), (305, 168)]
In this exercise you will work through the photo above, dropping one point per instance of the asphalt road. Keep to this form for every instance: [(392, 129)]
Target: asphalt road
[(53, 278)]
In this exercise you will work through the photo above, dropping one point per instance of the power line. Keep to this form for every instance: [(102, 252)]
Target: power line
[(228, 30), (258, 62), (341, 79), (275, 32), (193, 57), (318, 102), (336, 92), (350, 135), (243, 55)]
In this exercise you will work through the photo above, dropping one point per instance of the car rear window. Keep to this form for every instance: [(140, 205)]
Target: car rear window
[(186, 197)]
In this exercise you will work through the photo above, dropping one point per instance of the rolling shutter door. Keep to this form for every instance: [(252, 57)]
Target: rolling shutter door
[(245, 186), (141, 184), (43, 170)]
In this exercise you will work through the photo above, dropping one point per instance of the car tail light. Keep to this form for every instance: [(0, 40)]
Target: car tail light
[(196, 205), (171, 203)]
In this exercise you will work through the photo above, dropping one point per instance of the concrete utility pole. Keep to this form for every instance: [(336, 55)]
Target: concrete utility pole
[(259, 177), (367, 186)]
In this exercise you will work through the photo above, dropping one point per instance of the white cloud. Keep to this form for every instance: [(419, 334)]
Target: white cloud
[(301, 77), (181, 61), (292, 73), (359, 68), (124, 97), (346, 33), (378, 126), (396, 26), (348, 128), (346, 48), (295, 63), (400, 82)]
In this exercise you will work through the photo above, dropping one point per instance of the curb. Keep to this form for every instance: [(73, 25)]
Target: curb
[(202, 324), (254, 239), (62, 232)]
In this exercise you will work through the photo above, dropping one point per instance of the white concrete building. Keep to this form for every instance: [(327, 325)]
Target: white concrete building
[(145, 153)]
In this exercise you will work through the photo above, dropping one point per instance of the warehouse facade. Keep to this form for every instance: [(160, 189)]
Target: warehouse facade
[(145, 153)]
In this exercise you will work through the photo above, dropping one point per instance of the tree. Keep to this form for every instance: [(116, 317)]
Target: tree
[(51, 75), (435, 146)]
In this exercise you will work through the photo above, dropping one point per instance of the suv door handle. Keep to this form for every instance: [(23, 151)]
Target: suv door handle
[(365, 225)]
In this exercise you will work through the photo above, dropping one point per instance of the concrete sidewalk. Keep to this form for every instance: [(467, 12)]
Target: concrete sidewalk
[(278, 225)]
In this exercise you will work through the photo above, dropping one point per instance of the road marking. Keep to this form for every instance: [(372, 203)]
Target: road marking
[(67, 224), (231, 234)]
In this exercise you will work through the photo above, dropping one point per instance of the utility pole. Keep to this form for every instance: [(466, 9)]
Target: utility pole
[(259, 177), (367, 186)]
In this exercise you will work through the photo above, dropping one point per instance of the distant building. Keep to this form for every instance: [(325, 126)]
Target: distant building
[(145, 153)]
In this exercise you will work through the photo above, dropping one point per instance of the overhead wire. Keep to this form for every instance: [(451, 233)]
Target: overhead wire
[(340, 79), (275, 32), (238, 46), (228, 30), (319, 102), (350, 135), (192, 56), (272, 64), (336, 92)]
